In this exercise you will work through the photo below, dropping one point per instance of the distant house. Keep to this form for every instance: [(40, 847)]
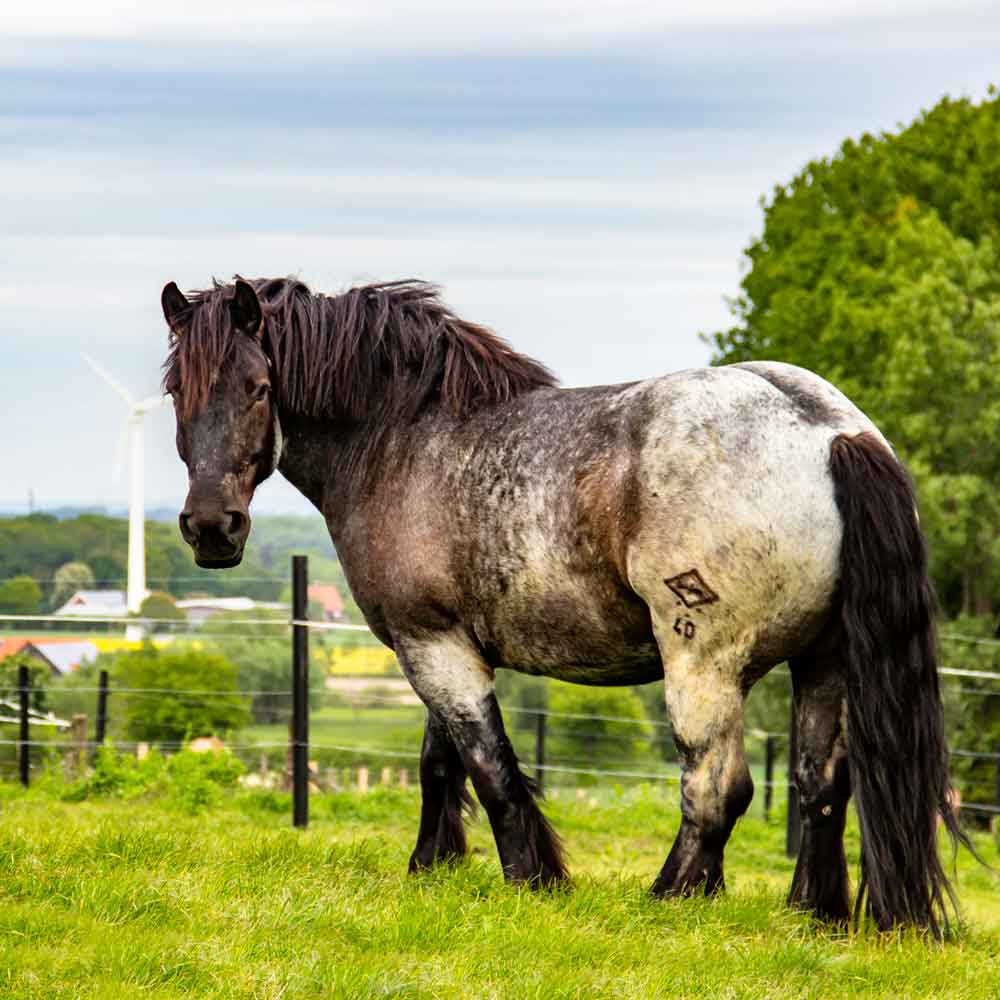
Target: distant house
[(95, 604), (62, 656), (199, 609), (328, 597)]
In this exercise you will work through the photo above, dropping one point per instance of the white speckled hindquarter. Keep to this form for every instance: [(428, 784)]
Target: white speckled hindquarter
[(753, 515)]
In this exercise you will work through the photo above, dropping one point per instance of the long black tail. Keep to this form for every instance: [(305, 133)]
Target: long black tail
[(897, 749)]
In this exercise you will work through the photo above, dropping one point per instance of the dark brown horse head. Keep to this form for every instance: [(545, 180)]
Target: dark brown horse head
[(228, 434)]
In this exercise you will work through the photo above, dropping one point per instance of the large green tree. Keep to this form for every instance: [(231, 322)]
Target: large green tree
[(20, 595), (879, 269), (168, 697)]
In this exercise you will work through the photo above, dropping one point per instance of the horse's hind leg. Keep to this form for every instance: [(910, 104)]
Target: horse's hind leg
[(820, 882), (705, 705), (442, 785), (449, 674)]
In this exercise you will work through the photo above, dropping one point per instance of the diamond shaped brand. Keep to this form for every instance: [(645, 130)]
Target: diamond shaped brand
[(692, 589)]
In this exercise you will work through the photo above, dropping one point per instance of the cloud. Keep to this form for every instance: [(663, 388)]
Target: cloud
[(583, 183), (439, 24)]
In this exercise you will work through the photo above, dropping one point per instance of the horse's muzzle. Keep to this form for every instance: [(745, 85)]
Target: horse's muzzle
[(216, 535)]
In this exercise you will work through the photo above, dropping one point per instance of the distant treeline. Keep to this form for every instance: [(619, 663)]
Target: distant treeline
[(38, 545)]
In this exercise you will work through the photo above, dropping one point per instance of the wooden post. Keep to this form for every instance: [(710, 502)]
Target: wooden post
[(300, 692), (793, 829), (769, 749), (540, 751), (362, 779), (23, 748), (78, 728), (404, 778), (101, 721), (386, 776), (286, 774)]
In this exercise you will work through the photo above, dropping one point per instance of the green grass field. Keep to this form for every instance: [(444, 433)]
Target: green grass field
[(133, 898)]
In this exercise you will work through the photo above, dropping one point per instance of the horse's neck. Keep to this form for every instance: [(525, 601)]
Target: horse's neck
[(312, 452), (320, 459)]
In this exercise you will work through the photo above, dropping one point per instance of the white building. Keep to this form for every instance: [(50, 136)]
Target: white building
[(95, 604), (199, 609)]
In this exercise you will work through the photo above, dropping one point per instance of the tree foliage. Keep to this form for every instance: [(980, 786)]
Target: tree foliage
[(20, 595), (172, 696), (879, 269), (39, 679), (263, 662), (67, 580), (161, 607), (597, 726), (64, 555)]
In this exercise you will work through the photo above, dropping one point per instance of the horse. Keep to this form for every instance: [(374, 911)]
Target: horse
[(697, 529)]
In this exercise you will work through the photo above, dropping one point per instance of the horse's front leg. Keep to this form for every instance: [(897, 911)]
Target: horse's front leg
[(444, 795), (448, 673), (705, 706)]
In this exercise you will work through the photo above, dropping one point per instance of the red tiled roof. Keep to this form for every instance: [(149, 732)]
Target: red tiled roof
[(14, 644), (327, 595)]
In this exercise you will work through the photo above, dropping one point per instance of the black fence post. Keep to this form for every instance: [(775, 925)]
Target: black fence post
[(101, 722), (770, 745), (793, 831), (23, 747), (540, 751), (300, 692)]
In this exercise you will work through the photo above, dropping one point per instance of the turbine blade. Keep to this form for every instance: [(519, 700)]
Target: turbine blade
[(152, 403), (111, 380)]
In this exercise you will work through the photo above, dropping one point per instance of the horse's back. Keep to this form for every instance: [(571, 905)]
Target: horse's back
[(567, 526)]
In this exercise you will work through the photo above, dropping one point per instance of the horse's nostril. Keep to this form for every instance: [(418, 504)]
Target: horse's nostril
[(237, 522), (185, 522)]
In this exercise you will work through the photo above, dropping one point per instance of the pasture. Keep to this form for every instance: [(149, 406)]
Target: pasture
[(125, 898)]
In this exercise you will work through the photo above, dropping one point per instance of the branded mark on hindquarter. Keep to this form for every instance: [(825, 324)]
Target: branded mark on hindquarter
[(692, 589)]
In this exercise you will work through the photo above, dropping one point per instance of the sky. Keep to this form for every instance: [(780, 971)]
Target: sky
[(583, 178)]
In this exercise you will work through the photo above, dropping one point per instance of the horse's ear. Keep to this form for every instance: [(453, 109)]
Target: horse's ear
[(174, 305), (244, 308)]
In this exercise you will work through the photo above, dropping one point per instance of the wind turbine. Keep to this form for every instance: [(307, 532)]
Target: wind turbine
[(136, 587)]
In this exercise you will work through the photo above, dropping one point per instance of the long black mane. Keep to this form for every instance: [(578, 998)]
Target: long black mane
[(387, 351)]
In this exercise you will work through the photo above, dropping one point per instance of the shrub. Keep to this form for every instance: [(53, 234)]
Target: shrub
[(160, 607), (123, 775), (189, 780), (195, 779), (165, 710)]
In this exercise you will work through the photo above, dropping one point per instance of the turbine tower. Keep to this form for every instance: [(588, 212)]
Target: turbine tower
[(136, 587)]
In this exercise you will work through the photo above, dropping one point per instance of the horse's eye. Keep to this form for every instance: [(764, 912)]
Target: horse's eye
[(260, 392)]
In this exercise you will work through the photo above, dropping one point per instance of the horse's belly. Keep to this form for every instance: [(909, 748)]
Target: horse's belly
[(573, 637), (639, 666)]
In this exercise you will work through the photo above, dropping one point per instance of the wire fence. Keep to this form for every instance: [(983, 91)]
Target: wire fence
[(373, 732)]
